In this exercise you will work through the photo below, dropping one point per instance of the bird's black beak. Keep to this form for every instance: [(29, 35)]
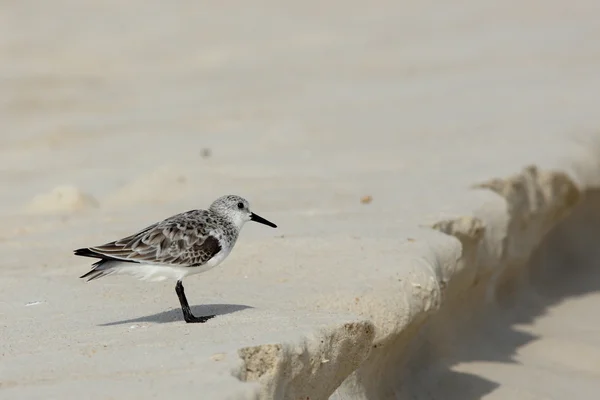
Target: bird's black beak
[(261, 220)]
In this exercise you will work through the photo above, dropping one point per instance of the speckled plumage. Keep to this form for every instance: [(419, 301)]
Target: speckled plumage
[(184, 244), (188, 239)]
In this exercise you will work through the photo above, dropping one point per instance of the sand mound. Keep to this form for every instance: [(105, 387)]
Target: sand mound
[(61, 199), (162, 185)]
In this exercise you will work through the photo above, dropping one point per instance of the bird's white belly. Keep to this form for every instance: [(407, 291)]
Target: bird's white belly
[(157, 273)]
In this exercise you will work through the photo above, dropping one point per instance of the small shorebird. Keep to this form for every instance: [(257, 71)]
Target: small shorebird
[(184, 244)]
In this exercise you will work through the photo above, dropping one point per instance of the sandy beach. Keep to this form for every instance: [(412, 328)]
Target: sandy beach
[(432, 169)]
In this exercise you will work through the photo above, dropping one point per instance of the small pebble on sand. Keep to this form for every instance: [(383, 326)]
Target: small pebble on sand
[(366, 199), (205, 152)]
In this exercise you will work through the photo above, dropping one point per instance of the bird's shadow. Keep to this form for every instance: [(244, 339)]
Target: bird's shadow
[(175, 314)]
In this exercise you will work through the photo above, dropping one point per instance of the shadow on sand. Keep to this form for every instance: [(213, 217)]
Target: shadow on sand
[(176, 315)]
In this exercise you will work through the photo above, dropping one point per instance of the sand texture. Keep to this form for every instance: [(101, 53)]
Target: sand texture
[(433, 168)]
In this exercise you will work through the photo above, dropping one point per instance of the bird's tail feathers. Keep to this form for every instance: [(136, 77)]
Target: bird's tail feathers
[(99, 269)]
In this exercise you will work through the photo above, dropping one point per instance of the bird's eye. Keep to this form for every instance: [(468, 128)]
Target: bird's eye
[(241, 205)]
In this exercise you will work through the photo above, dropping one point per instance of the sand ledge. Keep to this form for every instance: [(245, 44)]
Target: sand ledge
[(490, 260)]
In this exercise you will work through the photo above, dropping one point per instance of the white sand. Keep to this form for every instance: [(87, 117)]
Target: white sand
[(107, 107)]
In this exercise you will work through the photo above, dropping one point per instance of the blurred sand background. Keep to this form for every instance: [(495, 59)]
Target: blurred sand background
[(114, 115)]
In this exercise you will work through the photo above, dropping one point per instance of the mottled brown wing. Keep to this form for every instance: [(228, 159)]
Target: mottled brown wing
[(182, 240)]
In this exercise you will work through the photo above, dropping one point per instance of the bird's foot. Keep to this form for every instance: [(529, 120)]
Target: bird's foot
[(191, 319)]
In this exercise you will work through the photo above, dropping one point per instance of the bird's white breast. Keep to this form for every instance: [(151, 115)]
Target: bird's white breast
[(157, 273)]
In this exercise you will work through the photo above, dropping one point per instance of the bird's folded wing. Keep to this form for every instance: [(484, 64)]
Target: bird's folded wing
[(166, 243)]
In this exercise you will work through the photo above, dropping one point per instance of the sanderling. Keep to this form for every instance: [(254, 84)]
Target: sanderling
[(184, 244)]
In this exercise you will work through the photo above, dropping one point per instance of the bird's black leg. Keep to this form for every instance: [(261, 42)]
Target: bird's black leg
[(185, 307)]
